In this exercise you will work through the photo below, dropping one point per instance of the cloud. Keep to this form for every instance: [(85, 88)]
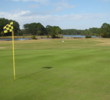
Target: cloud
[(14, 15), (107, 0), (39, 1), (54, 6), (34, 6), (78, 21), (63, 5), (28, 0)]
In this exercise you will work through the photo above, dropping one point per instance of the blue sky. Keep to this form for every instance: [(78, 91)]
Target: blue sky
[(76, 14)]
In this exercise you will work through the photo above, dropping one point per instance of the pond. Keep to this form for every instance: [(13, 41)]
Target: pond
[(77, 36), (9, 39), (64, 36)]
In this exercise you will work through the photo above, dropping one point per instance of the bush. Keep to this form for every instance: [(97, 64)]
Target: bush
[(34, 37), (88, 36)]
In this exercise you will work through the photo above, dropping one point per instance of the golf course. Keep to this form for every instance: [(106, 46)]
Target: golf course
[(56, 69)]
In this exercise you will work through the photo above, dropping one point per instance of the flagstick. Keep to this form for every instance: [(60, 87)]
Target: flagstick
[(13, 51)]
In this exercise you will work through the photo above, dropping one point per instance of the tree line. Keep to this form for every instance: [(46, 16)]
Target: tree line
[(31, 29), (53, 31), (103, 31)]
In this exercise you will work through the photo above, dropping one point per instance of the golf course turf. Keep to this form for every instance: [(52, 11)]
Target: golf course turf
[(75, 69)]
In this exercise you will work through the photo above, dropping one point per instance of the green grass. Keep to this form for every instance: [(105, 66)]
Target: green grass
[(80, 70)]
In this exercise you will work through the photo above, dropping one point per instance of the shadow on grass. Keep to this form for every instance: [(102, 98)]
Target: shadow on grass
[(47, 67), (34, 73)]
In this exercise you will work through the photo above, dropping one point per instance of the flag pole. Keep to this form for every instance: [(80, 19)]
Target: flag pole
[(13, 53)]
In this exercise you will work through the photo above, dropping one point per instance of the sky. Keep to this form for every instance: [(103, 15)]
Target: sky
[(67, 14)]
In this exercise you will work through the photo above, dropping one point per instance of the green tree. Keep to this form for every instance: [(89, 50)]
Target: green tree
[(35, 29), (53, 31), (3, 22), (16, 27), (105, 30), (95, 31), (90, 31)]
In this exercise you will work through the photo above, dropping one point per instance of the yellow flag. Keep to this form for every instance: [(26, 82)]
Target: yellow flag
[(8, 28)]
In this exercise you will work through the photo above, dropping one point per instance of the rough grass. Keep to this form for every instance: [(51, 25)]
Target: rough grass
[(54, 70)]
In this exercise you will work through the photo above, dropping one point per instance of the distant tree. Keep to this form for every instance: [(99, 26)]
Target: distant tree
[(95, 31), (105, 30), (3, 22), (87, 32), (16, 27), (53, 31), (41, 29), (22, 32), (74, 32), (35, 29), (49, 30)]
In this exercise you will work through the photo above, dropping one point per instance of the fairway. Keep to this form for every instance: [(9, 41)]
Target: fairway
[(76, 69)]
